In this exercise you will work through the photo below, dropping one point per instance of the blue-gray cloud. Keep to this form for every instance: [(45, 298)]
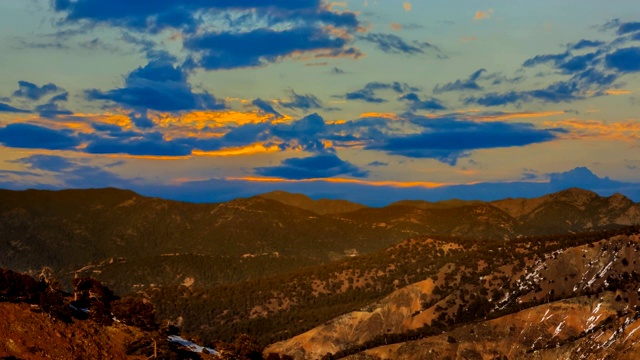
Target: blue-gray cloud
[(447, 140), (394, 44), (245, 33), (159, 85), (34, 92), (266, 107), (73, 174), (469, 83), (625, 60), (415, 103), (304, 102), (319, 166), (52, 108), (215, 51), (22, 135), (8, 108), (368, 92)]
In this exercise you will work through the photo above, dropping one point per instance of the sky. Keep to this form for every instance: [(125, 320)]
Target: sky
[(368, 100)]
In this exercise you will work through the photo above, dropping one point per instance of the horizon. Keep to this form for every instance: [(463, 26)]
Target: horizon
[(543, 190), (368, 101)]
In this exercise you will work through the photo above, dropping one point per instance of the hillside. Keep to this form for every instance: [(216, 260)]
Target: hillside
[(131, 242), (553, 283), (275, 271), (121, 237), (320, 206)]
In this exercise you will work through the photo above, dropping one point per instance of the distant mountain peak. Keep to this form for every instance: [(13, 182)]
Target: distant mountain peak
[(321, 206)]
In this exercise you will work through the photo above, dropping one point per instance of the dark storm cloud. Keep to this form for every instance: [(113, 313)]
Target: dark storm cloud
[(21, 135), (320, 166)]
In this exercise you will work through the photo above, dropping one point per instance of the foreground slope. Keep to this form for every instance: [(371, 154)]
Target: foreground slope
[(25, 334), (494, 284)]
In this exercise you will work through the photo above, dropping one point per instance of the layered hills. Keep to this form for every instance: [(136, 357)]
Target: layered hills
[(315, 278)]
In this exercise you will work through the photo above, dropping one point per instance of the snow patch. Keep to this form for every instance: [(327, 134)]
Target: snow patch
[(191, 345)]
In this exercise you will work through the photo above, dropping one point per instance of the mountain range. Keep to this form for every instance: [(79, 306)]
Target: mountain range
[(315, 278)]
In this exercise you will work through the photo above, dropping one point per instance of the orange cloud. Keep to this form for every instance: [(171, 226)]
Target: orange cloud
[(399, 184), (622, 130), (617, 92), (466, 39), (240, 150), (390, 116), (480, 15), (521, 115), (407, 6), (333, 4), (395, 26)]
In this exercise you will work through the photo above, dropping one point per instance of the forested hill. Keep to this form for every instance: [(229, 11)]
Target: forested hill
[(129, 240)]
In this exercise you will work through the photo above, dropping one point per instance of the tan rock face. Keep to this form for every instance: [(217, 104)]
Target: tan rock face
[(461, 298), (580, 328)]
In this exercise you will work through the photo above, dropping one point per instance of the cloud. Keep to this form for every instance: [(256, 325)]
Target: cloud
[(259, 47), (480, 15), (266, 107), (8, 108), (302, 102), (447, 140), (629, 27), (320, 166), (34, 92), (187, 14), (72, 174), (393, 44), (337, 71), (159, 85), (377, 163), (22, 135), (415, 103), (585, 44), (223, 34), (407, 6), (52, 109), (367, 93), (307, 133), (624, 60), (150, 144), (461, 85), (46, 162)]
